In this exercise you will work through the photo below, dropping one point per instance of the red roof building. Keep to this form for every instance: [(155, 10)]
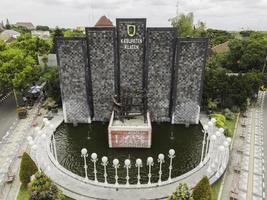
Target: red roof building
[(103, 22)]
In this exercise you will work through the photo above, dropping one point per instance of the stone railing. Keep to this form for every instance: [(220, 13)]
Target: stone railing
[(214, 158)]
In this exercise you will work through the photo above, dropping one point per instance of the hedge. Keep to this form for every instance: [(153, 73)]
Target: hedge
[(27, 169)]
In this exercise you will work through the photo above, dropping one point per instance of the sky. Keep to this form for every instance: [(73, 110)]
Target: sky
[(232, 15)]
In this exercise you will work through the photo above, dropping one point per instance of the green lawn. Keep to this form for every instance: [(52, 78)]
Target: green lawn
[(23, 193), (231, 124), (215, 189)]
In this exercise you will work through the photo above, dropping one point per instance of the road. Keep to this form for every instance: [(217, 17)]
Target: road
[(265, 139), (8, 115)]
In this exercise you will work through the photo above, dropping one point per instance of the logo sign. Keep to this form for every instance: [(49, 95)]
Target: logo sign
[(131, 30)]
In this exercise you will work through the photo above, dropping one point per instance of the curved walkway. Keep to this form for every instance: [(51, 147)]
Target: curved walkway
[(78, 188)]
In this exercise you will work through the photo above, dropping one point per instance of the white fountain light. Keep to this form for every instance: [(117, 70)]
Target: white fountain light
[(221, 130), (138, 161), (84, 151), (115, 162), (43, 136), (210, 123), (218, 134), (31, 142), (104, 159), (226, 143), (127, 162), (221, 148), (161, 156), (205, 127), (149, 160), (213, 137), (45, 120), (229, 140), (171, 152), (51, 126), (29, 138), (34, 147), (94, 156)]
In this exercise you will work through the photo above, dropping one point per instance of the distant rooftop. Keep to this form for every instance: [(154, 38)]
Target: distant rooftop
[(104, 22), (221, 48), (27, 25)]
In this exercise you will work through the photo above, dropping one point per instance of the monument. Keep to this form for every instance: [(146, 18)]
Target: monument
[(131, 75)]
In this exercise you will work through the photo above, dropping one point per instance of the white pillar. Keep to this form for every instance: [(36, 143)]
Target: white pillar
[(84, 154), (171, 156), (160, 160), (149, 163)]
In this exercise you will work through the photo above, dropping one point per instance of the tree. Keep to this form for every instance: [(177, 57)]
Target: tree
[(42, 28), (182, 193), (8, 26), (218, 36), (73, 33), (202, 191), (27, 169), (57, 33), (42, 188), (184, 25)]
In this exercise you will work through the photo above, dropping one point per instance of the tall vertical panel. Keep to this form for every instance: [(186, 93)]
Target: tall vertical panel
[(73, 72), (189, 70), (131, 44), (159, 64), (102, 53)]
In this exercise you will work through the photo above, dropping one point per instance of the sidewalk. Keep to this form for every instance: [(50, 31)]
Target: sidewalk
[(244, 176), (11, 151)]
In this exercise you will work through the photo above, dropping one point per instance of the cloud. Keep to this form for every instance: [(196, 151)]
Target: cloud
[(224, 14)]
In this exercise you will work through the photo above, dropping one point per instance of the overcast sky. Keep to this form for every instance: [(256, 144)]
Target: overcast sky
[(221, 14)]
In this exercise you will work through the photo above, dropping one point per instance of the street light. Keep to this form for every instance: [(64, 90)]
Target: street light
[(149, 163), (138, 164), (171, 156), (94, 159), (160, 160), (84, 154), (116, 165), (127, 165), (104, 164)]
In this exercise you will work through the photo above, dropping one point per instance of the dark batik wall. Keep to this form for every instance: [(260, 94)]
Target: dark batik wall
[(189, 70), (131, 61), (159, 61), (73, 71), (101, 53)]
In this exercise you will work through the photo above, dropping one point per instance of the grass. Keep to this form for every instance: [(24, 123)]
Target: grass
[(23, 193), (231, 125), (215, 189)]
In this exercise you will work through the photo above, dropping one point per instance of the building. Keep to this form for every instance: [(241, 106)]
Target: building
[(41, 34), (221, 48), (27, 25), (9, 35), (165, 71), (104, 22)]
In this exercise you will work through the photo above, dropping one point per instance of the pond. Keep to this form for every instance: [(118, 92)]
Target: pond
[(187, 143)]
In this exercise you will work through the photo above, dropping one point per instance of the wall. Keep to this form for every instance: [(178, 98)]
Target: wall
[(188, 79), (102, 59), (73, 70), (159, 63)]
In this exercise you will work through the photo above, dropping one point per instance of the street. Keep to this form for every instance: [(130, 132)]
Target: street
[(8, 115)]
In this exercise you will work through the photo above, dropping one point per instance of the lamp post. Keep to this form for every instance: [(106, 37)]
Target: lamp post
[(149, 163), (160, 160), (127, 165), (116, 165), (104, 163), (138, 164), (94, 159), (171, 156), (84, 154)]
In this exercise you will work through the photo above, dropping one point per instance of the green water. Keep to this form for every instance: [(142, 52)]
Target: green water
[(185, 141)]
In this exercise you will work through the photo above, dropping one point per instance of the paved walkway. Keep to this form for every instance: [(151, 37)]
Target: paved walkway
[(244, 177), (11, 150)]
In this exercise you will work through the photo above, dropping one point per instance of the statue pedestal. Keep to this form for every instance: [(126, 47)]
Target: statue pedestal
[(132, 133)]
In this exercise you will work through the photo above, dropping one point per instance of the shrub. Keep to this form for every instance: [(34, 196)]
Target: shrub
[(182, 193), (27, 169), (227, 132), (202, 190), (235, 109), (42, 188), (220, 119), (229, 114)]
